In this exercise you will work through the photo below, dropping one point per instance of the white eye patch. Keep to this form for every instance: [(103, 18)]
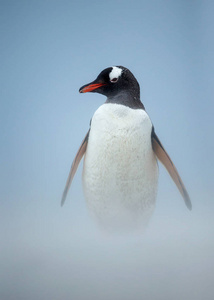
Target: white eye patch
[(115, 73)]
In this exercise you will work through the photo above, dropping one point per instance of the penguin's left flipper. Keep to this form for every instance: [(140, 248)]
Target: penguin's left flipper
[(164, 158), (74, 166)]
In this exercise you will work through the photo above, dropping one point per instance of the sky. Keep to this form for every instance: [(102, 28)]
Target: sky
[(49, 49)]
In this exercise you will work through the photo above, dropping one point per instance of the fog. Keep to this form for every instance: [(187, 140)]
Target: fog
[(49, 49), (65, 257)]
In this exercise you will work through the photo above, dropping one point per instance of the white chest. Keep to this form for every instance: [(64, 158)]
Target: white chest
[(120, 169)]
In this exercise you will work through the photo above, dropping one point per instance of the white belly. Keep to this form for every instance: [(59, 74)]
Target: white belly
[(120, 172)]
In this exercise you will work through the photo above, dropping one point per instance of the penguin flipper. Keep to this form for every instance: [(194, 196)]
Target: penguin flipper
[(74, 166), (164, 158)]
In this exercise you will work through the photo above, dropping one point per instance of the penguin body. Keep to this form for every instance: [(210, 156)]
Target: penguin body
[(120, 171)]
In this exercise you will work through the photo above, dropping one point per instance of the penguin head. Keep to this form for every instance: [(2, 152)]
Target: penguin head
[(112, 81)]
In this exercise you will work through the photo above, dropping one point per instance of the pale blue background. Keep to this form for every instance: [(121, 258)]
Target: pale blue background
[(48, 50)]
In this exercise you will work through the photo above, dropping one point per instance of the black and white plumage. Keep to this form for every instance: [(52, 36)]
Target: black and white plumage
[(120, 172)]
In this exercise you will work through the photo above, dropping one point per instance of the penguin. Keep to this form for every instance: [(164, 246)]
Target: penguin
[(121, 152)]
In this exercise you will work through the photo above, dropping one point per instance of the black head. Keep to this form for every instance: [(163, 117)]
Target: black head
[(112, 81)]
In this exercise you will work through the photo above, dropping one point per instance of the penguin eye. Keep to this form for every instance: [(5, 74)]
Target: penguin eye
[(114, 80)]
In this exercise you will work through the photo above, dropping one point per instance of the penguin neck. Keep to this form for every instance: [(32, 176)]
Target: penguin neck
[(126, 99)]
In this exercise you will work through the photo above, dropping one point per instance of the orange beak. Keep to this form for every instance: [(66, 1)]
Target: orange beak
[(90, 87)]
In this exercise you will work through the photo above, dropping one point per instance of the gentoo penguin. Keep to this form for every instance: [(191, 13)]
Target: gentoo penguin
[(121, 148)]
